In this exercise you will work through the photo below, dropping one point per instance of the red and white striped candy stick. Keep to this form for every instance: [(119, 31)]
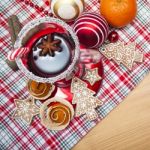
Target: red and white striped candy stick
[(19, 52)]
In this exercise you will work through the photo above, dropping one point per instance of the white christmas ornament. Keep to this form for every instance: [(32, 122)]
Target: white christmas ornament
[(67, 10)]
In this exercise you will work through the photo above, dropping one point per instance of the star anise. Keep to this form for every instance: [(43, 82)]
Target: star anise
[(49, 46)]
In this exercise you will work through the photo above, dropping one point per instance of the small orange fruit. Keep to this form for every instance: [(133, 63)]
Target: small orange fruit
[(118, 13)]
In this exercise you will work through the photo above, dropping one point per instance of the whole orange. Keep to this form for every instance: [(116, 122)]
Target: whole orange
[(118, 13)]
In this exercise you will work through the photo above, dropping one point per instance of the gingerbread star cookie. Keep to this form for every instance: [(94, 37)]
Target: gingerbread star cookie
[(25, 109), (92, 76)]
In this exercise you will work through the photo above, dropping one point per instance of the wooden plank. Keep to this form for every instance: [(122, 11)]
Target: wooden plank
[(126, 127)]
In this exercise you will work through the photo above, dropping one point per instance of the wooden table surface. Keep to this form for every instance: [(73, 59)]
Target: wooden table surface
[(127, 127)]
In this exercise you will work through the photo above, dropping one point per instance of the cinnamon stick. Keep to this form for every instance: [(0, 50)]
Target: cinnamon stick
[(14, 29)]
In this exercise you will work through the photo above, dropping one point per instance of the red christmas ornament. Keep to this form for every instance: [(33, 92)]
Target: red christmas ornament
[(113, 37), (91, 29), (97, 85), (95, 62)]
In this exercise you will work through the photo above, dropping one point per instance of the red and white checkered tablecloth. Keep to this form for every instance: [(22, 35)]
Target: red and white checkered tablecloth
[(117, 82)]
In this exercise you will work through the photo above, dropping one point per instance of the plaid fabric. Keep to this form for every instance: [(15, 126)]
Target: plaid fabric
[(117, 82)]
